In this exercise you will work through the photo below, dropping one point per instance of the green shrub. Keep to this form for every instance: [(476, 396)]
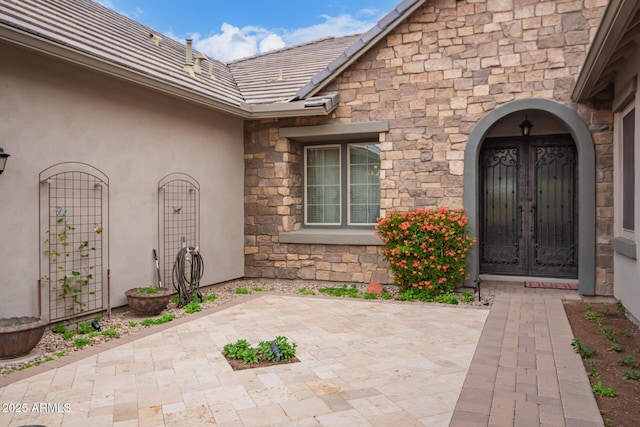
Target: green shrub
[(111, 333), (210, 297), (449, 298), (304, 291), (287, 350), (628, 361), (241, 349), (235, 350), (85, 328), (351, 292), (59, 328), (583, 351), (67, 335), (265, 350), (594, 315), (81, 342), (426, 249), (467, 297), (608, 333), (160, 320), (603, 391), (620, 308), (193, 307), (616, 347), (631, 375), (370, 295), (593, 368), (242, 291), (148, 290)]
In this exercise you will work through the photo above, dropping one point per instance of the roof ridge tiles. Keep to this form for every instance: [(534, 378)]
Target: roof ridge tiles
[(291, 47)]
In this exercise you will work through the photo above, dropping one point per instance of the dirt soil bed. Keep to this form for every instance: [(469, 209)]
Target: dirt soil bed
[(606, 364), (239, 365)]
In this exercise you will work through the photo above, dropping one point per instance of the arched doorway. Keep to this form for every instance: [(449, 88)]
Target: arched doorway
[(563, 129)]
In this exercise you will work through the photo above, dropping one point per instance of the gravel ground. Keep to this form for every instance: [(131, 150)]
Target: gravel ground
[(125, 322)]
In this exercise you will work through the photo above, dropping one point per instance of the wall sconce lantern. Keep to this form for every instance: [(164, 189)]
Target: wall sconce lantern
[(3, 160), (526, 127)]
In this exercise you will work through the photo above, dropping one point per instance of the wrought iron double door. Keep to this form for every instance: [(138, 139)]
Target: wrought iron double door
[(529, 216)]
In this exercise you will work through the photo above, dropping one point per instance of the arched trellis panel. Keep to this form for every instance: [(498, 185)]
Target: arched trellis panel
[(74, 244), (178, 218)]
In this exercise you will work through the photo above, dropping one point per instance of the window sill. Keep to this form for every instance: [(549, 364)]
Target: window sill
[(625, 247), (331, 237)]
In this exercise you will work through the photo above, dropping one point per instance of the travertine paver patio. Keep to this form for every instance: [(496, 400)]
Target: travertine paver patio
[(362, 363)]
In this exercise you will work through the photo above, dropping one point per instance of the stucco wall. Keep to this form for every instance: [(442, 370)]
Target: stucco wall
[(53, 112), (433, 78), (627, 267)]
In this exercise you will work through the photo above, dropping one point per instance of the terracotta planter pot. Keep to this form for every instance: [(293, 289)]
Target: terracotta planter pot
[(19, 335), (148, 304)]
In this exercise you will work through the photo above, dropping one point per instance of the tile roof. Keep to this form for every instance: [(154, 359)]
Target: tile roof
[(276, 76), (99, 32), (360, 46), (92, 35)]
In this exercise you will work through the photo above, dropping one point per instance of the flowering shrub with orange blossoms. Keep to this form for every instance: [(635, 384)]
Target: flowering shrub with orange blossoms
[(426, 249)]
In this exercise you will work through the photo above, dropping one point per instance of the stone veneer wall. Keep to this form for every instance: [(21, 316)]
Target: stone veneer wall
[(432, 78)]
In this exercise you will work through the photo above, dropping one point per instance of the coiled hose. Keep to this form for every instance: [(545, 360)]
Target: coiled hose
[(187, 272)]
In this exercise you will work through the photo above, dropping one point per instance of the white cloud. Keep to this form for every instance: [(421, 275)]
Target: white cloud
[(333, 26), (106, 3), (271, 42), (235, 43), (230, 44)]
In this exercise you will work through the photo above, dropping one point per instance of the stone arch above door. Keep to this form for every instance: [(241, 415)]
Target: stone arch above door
[(586, 180)]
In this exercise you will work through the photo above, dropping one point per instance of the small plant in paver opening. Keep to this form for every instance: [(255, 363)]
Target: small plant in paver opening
[(70, 253), (278, 349), (426, 250)]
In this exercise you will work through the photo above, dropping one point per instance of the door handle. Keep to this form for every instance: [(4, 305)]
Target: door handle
[(533, 221), (521, 219)]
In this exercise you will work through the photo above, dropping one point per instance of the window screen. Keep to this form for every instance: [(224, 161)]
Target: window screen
[(323, 185), (342, 178), (364, 183)]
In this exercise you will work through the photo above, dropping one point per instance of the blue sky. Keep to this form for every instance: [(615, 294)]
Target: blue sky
[(232, 29)]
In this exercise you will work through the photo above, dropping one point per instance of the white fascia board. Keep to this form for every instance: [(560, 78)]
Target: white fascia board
[(319, 106)]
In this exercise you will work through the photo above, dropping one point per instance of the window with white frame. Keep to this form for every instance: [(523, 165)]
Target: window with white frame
[(342, 184), (628, 169)]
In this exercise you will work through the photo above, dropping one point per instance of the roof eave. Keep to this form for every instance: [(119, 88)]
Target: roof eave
[(313, 106), (360, 47), (609, 33), (27, 40), (316, 106)]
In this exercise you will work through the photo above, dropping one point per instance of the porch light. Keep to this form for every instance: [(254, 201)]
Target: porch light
[(526, 127), (3, 159)]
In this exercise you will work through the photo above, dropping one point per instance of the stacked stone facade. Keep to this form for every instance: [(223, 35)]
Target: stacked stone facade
[(432, 78)]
